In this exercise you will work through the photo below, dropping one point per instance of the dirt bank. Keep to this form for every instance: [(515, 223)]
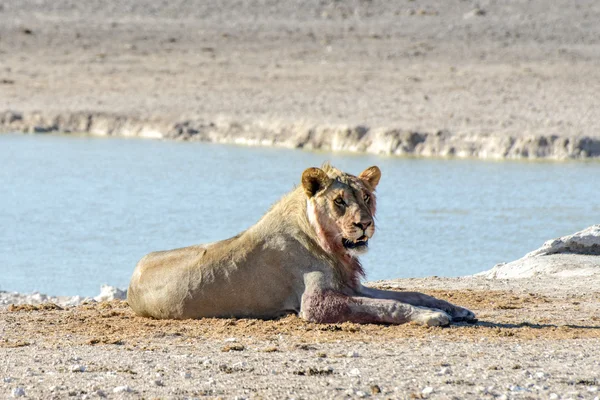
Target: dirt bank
[(507, 79)]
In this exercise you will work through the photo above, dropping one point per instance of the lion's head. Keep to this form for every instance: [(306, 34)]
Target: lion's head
[(341, 207)]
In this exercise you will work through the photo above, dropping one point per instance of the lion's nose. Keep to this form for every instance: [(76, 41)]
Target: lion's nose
[(362, 225)]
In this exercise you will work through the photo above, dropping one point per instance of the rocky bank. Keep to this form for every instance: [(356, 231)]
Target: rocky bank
[(493, 80)]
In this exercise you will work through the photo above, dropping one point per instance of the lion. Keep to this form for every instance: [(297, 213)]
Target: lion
[(301, 257)]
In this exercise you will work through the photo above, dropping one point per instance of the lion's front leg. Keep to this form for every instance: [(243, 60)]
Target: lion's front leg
[(420, 300), (328, 306)]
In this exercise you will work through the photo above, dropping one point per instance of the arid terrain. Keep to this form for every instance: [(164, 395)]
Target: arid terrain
[(542, 342), (510, 79)]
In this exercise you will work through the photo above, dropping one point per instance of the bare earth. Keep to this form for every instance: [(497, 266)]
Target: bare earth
[(510, 79), (532, 340)]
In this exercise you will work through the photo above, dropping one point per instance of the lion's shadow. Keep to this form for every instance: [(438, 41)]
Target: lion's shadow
[(494, 325)]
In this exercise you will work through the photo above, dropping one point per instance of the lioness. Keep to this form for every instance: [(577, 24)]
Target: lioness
[(301, 257)]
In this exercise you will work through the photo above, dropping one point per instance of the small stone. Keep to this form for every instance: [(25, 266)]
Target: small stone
[(230, 340), (361, 394), (38, 297), (122, 389), (158, 382), (375, 389), (592, 389), (7, 379), (553, 396), (354, 372), (100, 393), (78, 368), (540, 375), (427, 391), (476, 12), (186, 375), (352, 354), (18, 392), (108, 293)]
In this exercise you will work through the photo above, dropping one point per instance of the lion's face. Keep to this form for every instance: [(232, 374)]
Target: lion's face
[(341, 207)]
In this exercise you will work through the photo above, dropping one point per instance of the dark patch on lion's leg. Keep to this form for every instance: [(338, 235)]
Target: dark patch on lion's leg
[(330, 307)]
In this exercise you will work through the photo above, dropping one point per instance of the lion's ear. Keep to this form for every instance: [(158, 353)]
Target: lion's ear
[(314, 180), (371, 176)]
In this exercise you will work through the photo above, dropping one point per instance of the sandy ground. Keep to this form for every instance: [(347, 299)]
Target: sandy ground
[(532, 340), (507, 69)]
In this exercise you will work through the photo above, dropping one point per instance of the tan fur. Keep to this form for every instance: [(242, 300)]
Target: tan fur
[(301, 257)]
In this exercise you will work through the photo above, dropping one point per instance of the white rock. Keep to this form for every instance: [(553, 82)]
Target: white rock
[(74, 301), (575, 255), (122, 389), (78, 368), (361, 394), (427, 391), (108, 293), (352, 354), (18, 392), (38, 297), (230, 340), (186, 375), (553, 396), (354, 372)]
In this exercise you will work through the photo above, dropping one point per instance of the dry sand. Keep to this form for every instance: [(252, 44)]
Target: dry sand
[(532, 340), (510, 79)]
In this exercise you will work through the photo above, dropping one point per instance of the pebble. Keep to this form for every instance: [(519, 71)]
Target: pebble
[(122, 389), (354, 372), (540, 375), (186, 375), (8, 379), (158, 382), (352, 354), (553, 396), (361, 394), (38, 297), (427, 391), (18, 392), (230, 340), (78, 368)]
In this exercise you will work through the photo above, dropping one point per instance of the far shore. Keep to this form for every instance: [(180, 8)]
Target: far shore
[(344, 138), (508, 80)]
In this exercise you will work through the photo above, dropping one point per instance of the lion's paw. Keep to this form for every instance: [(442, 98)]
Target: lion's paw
[(462, 314), (432, 318)]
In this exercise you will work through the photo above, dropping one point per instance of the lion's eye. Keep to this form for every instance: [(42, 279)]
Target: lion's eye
[(339, 201), (366, 198)]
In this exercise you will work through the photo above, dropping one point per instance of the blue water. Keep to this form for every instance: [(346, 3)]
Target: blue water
[(77, 212)]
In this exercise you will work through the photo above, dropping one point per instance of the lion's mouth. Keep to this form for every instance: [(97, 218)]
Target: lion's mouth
[(361, 242)]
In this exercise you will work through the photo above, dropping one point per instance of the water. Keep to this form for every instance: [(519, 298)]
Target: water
[(77, 212)]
